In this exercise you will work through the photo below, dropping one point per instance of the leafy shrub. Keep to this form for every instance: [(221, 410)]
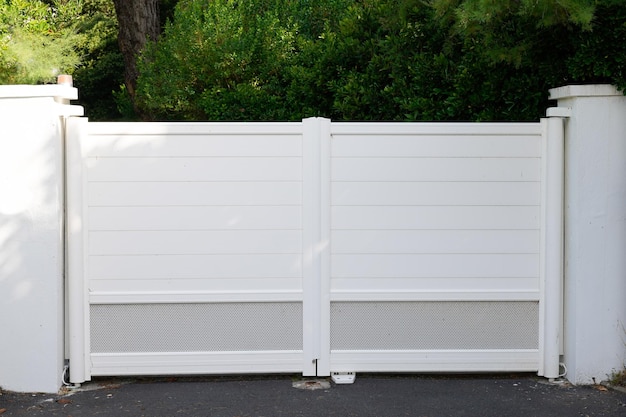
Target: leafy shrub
[(600, 53), (37, 41), (101, 72), (219, 59), (377, 59)]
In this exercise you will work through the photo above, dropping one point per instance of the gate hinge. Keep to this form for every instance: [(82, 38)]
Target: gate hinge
[(559, 112)]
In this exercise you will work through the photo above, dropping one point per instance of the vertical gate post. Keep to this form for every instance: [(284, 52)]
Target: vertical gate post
[(76, 293), (595, 231), (552, 242), (316, 246), (32, 235)]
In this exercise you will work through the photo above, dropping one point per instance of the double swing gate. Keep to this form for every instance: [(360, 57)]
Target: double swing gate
[(313, 247)]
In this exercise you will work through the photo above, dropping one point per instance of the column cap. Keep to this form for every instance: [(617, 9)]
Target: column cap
[(590, 90), (30, 91)]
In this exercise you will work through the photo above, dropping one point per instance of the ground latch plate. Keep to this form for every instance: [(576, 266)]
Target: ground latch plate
[(343, 377)]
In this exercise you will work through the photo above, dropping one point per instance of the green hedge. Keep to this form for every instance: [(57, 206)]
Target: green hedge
[(374, 59)]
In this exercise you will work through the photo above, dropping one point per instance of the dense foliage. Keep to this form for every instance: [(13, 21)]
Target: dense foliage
[(236, 60), (343, 59), (378, 59), (100, 74), (37, 40)]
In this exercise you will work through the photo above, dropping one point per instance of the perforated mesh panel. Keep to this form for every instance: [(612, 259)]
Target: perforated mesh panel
[(196, 327), (434, 325)]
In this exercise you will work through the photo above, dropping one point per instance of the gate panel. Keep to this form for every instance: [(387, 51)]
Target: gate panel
[(435, 254), (192, 241)]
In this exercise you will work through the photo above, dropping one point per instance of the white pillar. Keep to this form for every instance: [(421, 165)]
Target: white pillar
[(595, 231), (32, 236)]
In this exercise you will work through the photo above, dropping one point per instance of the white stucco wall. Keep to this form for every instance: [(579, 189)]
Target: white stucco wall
[(595, 231), (31, 237)]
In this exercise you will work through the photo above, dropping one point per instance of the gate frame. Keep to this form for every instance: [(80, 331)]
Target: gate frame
[(316, 229)]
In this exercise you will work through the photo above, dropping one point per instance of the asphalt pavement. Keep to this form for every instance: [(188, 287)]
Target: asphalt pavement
[(370, 395)]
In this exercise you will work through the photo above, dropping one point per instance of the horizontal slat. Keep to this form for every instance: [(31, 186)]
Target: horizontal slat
[(195, 169), (182, 297), (175, 286), (342, 288), (434, 284), (155, 145), (195, 242), (436, 169), (149, 297), (195, 363), (435, 361), (435, 217), (195, 218), (435, 241), (435, 128), (488, 265), (195, 266), (436, 193), (437, 295), (438, 146), (193, 193), (193, 128)]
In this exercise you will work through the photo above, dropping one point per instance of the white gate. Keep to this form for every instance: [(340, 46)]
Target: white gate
[(313, 247)]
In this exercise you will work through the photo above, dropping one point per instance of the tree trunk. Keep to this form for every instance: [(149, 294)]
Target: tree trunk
[(138, 22)]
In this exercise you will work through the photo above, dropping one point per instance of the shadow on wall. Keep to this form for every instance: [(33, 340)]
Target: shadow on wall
[(31, 238)]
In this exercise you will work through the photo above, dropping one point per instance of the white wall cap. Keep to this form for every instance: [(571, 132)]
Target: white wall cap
[(48, 90), (68, 110), (592, 90), (559, 112)]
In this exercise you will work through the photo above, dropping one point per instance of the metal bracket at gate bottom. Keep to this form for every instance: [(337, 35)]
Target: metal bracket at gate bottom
[(343, 377)]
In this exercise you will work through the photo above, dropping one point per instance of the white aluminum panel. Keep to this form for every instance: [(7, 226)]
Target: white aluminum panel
[(436, 361), (384, 285), (195, 266), (196, 169), (193, 193), (458, 129), (194, 128), (241, 145), (388, 145), (435, 265), (436, 169), (459, 294), (435, 217), (194, 295), (126, 287), (196, 218), (435, 193), (342, 288), (195, 363), (195, 242), (435, 241), (232, 293)]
